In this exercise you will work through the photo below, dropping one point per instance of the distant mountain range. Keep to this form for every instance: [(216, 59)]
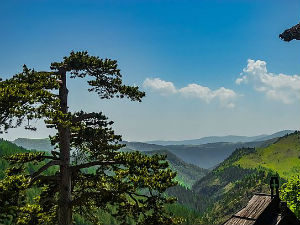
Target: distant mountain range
[(36, 144), (228, 138), (205, 155)]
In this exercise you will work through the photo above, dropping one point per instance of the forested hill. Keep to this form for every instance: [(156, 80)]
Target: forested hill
[(187, 174), (229, 187), (7, 148)]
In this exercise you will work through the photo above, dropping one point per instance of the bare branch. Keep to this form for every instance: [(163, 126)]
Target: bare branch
[(50, 157), (96, 163), (45, 167), (55, 154)]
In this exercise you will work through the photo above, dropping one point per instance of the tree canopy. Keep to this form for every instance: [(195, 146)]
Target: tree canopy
[(90, 173), (290, 192)]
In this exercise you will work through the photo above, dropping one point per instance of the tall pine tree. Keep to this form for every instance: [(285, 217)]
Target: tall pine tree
[(128, 185)]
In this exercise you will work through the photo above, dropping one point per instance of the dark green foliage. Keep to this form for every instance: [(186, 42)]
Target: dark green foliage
[(188, 216), (18, 201), (105, 77), (7, 148), (187, 197)]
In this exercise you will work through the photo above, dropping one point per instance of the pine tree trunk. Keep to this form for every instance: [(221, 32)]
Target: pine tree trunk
[(65, 208)]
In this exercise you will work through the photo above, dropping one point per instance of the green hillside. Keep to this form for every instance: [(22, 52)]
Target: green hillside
[(229, 187), (282, 157), (187, 174)]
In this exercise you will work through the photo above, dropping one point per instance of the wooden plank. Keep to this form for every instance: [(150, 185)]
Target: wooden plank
[(239, 221), (255, 207)]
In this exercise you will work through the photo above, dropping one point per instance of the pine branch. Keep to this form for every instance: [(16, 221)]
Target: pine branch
[(95, 163), (45, 167)]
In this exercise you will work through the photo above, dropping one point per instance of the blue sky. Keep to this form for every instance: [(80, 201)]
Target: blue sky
[(187, 55)]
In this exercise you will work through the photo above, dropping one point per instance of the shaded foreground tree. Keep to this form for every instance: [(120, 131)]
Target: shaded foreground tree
[(96, 175), (292, 33)]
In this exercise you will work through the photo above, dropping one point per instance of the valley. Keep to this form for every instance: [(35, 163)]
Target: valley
[(230, 173)]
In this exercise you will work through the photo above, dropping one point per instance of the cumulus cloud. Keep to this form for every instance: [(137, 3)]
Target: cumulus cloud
[(280, 87), (225, 96), (160, 86)]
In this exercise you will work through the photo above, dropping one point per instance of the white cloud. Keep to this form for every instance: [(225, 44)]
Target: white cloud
[(197, 91), (160, 86), (280, 87), (223, 95)]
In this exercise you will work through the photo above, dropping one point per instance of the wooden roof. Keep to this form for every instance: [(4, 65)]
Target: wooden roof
[(255, 207), (252, 213), (263, 209)]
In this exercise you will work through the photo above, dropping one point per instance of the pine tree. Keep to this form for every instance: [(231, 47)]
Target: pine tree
[(128, 185)]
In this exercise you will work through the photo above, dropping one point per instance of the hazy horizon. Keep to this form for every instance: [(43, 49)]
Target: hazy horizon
[(9, 137)]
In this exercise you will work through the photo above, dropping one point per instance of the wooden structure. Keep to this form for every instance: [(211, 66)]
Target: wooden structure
[(265, 209)]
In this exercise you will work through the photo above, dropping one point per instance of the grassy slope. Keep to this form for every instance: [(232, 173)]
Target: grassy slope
[(282, 157)]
